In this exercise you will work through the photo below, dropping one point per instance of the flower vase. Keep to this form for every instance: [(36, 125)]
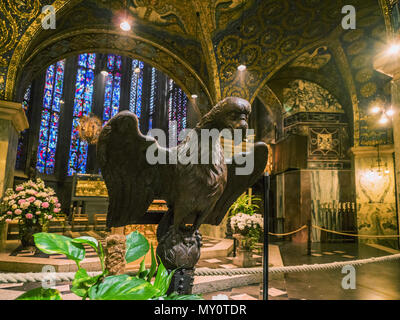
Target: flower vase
[(244, 255), (26, 234), (244, 258)]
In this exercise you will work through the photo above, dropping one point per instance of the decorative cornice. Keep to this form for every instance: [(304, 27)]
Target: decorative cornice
[(13, 111), (372, 151)]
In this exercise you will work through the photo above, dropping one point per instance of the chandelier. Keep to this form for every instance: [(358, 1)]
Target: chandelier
[(89, 128)]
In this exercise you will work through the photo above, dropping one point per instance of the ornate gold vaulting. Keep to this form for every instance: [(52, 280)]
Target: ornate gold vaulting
[(200, 43)]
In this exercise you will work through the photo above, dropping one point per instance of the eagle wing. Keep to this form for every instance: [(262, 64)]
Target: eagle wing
[(131, 181), (237, 184)]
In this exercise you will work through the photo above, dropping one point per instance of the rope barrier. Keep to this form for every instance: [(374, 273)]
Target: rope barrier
[(69, 276), (288, 233), (335, 232), (356, 235), (332, 265)]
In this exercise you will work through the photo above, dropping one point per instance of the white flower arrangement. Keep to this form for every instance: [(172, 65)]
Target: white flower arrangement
[(241, 221), (31, 203), (249, 226)]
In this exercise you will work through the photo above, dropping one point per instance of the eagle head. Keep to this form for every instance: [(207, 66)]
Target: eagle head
[(231, 113)]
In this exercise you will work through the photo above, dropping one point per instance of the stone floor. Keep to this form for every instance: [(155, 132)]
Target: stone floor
[(375, 281)]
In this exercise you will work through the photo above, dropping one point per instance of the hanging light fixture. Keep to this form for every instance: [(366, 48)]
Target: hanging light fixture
[(125, 25), (242, 66), (384, 119), (89, 128)]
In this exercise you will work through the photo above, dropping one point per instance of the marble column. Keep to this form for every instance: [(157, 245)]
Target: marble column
[(12, 122), (375, 193)]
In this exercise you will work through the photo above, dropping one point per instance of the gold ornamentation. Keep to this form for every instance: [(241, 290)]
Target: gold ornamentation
[(89, 128), (356, 47), (364, 75), (314, 60), (90, 188), (368, 89)]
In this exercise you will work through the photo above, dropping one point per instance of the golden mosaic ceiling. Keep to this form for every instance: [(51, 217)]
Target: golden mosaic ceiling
[(197, 42)]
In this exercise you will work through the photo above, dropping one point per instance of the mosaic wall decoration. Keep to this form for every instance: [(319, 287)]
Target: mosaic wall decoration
[(82, 107), (265, 35), (316, 59), (50, 118), (306, 96), (376, 211)]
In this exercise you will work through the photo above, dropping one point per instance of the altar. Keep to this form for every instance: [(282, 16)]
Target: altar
[(90, 197)]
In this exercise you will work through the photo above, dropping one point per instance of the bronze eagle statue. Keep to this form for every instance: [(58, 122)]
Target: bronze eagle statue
[(195, 193)]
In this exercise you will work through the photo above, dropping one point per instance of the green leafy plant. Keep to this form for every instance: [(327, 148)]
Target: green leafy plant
[(244, 204), (103, 286)]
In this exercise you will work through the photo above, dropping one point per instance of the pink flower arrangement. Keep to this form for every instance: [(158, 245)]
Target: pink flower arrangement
[(30, 203)]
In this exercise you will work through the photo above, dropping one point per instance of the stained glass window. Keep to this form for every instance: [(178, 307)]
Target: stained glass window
[(22, 141), (50, 118), (153, 87), (177, 103), (135, 103), (82, 106), (112, 91)]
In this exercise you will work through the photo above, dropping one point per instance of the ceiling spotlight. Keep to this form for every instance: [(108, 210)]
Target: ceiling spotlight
[(383, 119), (387, 171), (137, 70), (393, 49), (242, 67), (375, 109), (390, 112), (194, 96), (125, 25), (104, 73)]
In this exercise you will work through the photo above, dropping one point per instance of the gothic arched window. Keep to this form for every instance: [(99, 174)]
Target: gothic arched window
[(50, 118), (82, 107), (135, 104), (177, 103), (112, 91)]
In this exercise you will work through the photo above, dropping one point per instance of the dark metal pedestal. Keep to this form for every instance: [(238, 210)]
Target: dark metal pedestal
[(182, 281)]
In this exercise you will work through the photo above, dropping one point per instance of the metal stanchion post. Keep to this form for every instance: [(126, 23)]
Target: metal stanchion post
[(266, 180)]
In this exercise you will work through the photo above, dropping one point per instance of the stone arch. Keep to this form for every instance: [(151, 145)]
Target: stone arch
[(103, 41)]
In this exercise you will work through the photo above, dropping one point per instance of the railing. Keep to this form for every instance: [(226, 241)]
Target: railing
[(335, 215)]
